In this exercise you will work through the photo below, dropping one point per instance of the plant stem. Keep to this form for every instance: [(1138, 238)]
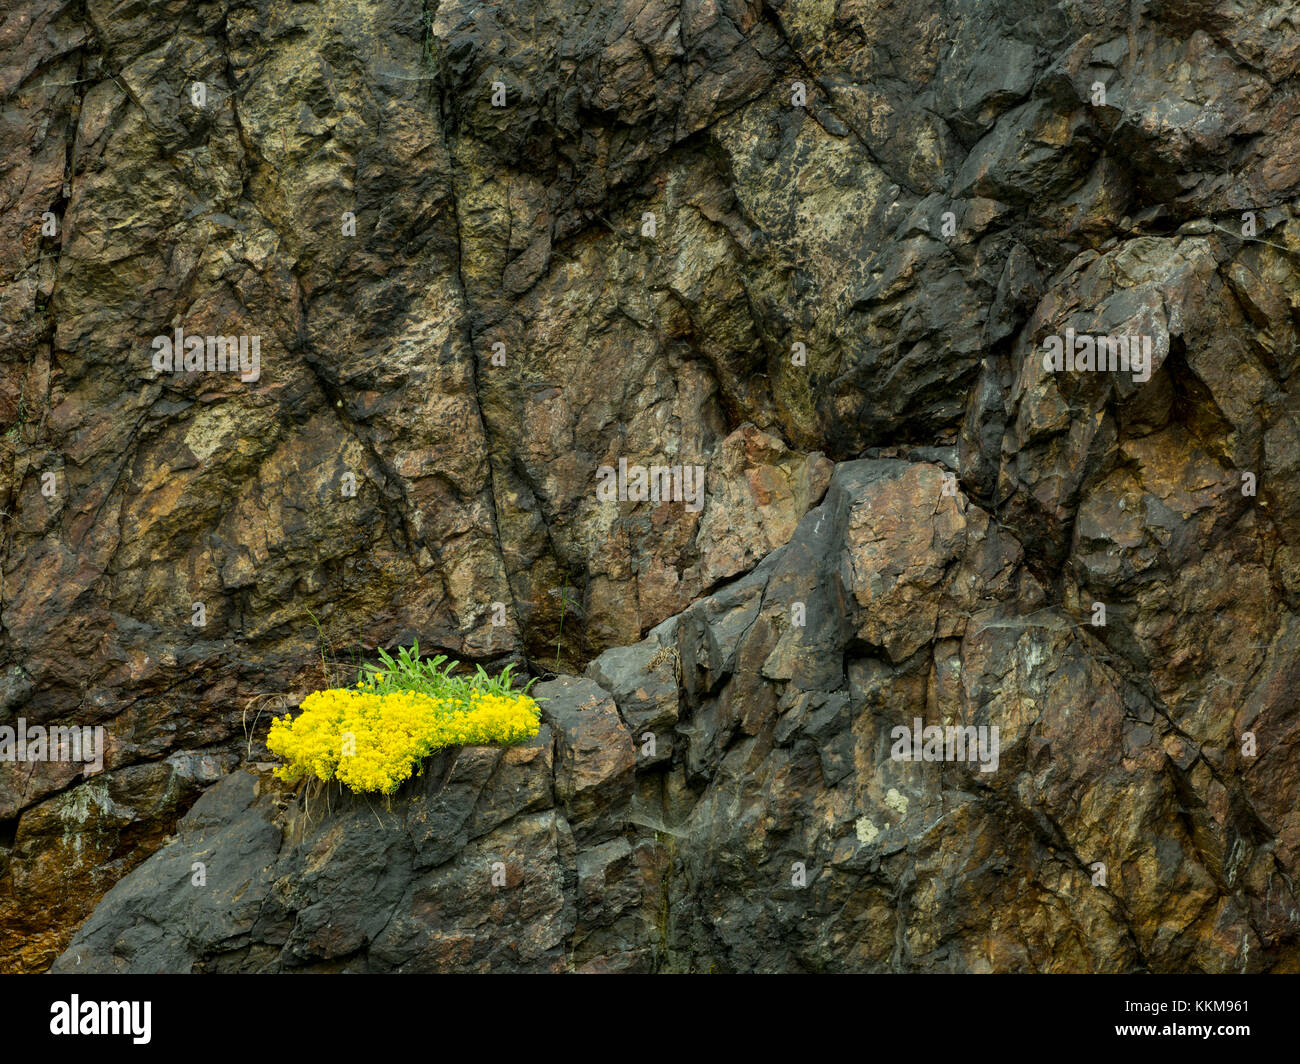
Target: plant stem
[(320, 632), (564, 597)]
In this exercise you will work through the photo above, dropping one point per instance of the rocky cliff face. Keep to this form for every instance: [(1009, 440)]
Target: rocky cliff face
[(817, 250)]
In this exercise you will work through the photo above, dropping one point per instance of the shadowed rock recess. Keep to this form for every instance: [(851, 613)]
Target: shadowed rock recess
[(813, 247)]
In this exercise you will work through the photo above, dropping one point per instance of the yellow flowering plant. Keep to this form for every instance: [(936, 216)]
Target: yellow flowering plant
[(375, 735)]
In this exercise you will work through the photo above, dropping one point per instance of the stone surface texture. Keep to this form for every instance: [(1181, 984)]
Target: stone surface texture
[(911, 519)]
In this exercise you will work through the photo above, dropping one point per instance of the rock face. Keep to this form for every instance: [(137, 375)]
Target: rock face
[(751, 816), (488, 250)]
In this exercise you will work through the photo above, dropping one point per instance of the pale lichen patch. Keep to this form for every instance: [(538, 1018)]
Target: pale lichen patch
[(895, 801)]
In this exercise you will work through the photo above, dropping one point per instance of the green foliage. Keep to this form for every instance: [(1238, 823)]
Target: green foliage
[(408, 672)]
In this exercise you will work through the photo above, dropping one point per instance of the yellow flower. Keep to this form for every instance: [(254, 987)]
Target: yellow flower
[(390, 734)]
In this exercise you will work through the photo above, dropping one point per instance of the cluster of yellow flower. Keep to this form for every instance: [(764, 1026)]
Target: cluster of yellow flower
[(373, 742)]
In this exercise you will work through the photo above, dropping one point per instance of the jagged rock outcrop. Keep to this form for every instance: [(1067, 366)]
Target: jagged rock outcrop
[(758, 236), (749, 814)]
